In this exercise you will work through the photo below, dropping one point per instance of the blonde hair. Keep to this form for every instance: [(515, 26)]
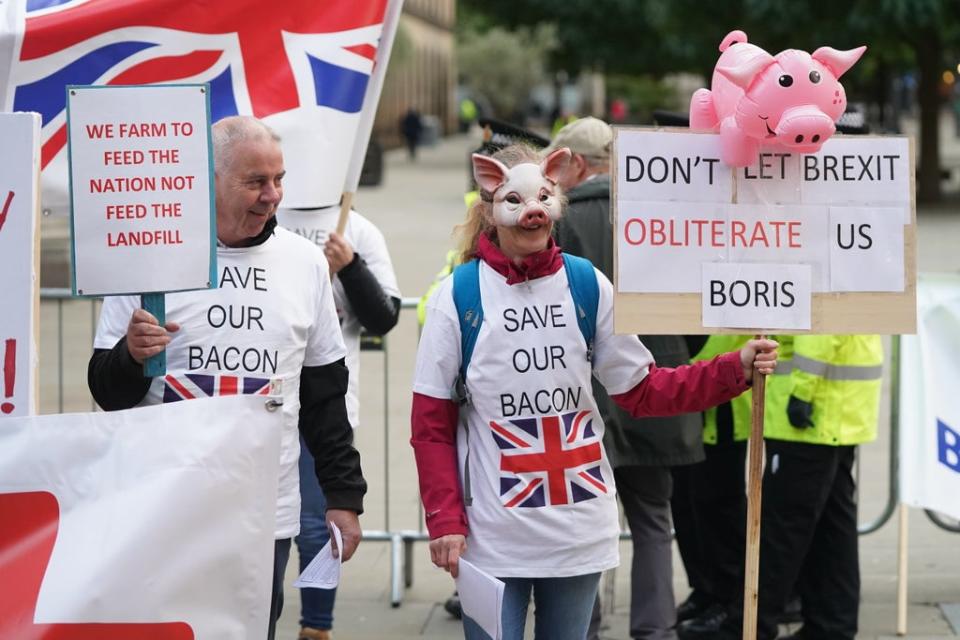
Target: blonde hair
[(479, 215)]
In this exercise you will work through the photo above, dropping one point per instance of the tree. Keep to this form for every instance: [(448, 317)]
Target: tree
[(489, 63), (660, 36)]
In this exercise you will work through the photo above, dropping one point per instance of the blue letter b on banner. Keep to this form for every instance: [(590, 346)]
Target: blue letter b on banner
[(948, 446)]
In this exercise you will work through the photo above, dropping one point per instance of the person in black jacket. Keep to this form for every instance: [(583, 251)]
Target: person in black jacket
[(641, 451), (270, 326)]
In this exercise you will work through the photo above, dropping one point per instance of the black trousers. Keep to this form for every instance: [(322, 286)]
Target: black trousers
[(809, 539), (709, 516)]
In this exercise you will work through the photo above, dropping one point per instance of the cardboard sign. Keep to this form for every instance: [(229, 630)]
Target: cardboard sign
[(141, 183), (19, 262), (840, 221)]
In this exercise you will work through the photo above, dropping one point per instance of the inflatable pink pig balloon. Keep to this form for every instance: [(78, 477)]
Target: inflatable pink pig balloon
[(792, 99)]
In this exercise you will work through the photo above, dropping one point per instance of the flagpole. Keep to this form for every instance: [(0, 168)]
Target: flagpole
[(391, 19)]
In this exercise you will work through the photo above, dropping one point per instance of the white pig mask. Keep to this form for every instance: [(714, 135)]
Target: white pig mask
[(524, 195)]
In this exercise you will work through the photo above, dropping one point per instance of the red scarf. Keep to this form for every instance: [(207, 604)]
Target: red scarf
[(537, 265)]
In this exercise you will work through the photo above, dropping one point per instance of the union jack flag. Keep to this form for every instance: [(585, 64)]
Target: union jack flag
[(301, 65), (190, 386), (549, 461)]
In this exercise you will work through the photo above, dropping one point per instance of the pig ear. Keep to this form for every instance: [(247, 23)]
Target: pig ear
[(837, 61), (555, 164), (488, 172), (742, 74)]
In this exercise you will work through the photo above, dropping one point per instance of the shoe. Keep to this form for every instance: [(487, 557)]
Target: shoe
[(695, 604), (706, 625), (309, 633), (452, 606), (792, 613)]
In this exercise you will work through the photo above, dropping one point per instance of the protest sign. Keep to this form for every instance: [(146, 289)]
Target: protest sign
[(822, 242), (141, 180), (155, 522), (19, 262)]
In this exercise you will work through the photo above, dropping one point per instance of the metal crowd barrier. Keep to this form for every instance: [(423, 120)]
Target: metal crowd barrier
[(402, 540)]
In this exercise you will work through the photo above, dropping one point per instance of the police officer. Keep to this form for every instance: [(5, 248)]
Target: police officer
[(822, 402)]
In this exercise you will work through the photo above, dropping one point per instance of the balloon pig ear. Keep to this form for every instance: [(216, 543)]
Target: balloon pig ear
[(837, 61), (488, 172), (743, 73), (555, 164)]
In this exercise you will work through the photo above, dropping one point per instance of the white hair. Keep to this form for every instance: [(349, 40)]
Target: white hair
[(230, 131)]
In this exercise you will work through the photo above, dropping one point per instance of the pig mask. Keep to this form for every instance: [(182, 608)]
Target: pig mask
[(524, 195)]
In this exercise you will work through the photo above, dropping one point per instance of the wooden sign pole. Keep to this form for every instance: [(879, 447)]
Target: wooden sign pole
[(345, 203), (754, 492)]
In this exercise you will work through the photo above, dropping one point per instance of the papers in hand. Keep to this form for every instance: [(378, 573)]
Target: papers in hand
[(323, 572), (481, 596)]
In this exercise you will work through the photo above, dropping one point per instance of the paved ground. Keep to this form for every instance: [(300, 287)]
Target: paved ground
[(416, 207)]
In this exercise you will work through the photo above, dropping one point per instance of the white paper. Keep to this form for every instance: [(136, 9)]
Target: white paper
[(323, 572), (756, 296), (481, 596), (866, 249), (774, 178), (671, 166), (661, 245), (855, 170)]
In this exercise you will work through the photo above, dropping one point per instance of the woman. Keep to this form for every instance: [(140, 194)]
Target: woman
[(524, 475)]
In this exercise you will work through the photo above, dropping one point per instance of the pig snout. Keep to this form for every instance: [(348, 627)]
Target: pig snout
[(804, 128), (532, 216)]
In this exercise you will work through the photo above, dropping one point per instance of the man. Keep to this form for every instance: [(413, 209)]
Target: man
[(367, 298), (821, 403), (641, 451), (271, 322)]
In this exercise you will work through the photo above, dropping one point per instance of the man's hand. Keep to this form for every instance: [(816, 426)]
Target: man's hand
[(445, 552), (759, 355), (145, 336), (338, 251), (799, 413), (349, 524)]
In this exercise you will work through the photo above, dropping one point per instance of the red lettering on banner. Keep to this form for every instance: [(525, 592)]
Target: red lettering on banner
[(6, 208), (28, 530), (9, 373)]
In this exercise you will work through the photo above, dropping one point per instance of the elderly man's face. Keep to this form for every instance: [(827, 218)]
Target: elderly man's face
[(248, 190)]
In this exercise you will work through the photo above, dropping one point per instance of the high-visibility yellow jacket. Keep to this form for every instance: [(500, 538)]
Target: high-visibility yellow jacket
[(840, 375), (741, 405)]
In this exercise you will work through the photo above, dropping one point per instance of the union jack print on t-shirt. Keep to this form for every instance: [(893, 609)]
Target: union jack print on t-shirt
[(549, 460), (200, 385)]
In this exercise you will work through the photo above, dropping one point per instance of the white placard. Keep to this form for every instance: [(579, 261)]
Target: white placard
[(866, 249), (19, 280), (773, 179), (658, 167), (749, 296), (141, 187), (663, 244)]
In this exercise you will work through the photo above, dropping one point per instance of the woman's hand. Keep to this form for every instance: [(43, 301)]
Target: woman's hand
[(445, 552), (760, 356)]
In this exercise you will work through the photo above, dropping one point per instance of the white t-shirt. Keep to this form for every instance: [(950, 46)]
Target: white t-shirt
[(272, 314), (543, 490), (315, 225)]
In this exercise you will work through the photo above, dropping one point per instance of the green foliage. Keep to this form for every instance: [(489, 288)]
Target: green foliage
[(503, 65), (643, 94)]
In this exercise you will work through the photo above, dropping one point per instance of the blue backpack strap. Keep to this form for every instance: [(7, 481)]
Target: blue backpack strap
[(585, 291), (466, 297)]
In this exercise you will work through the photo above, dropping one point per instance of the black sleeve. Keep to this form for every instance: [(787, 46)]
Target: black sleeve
[(376, 311), (326, 430), (115, 379)]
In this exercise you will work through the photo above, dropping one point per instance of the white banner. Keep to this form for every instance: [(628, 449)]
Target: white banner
[(149, 523), (19, 276), (929, 402)]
